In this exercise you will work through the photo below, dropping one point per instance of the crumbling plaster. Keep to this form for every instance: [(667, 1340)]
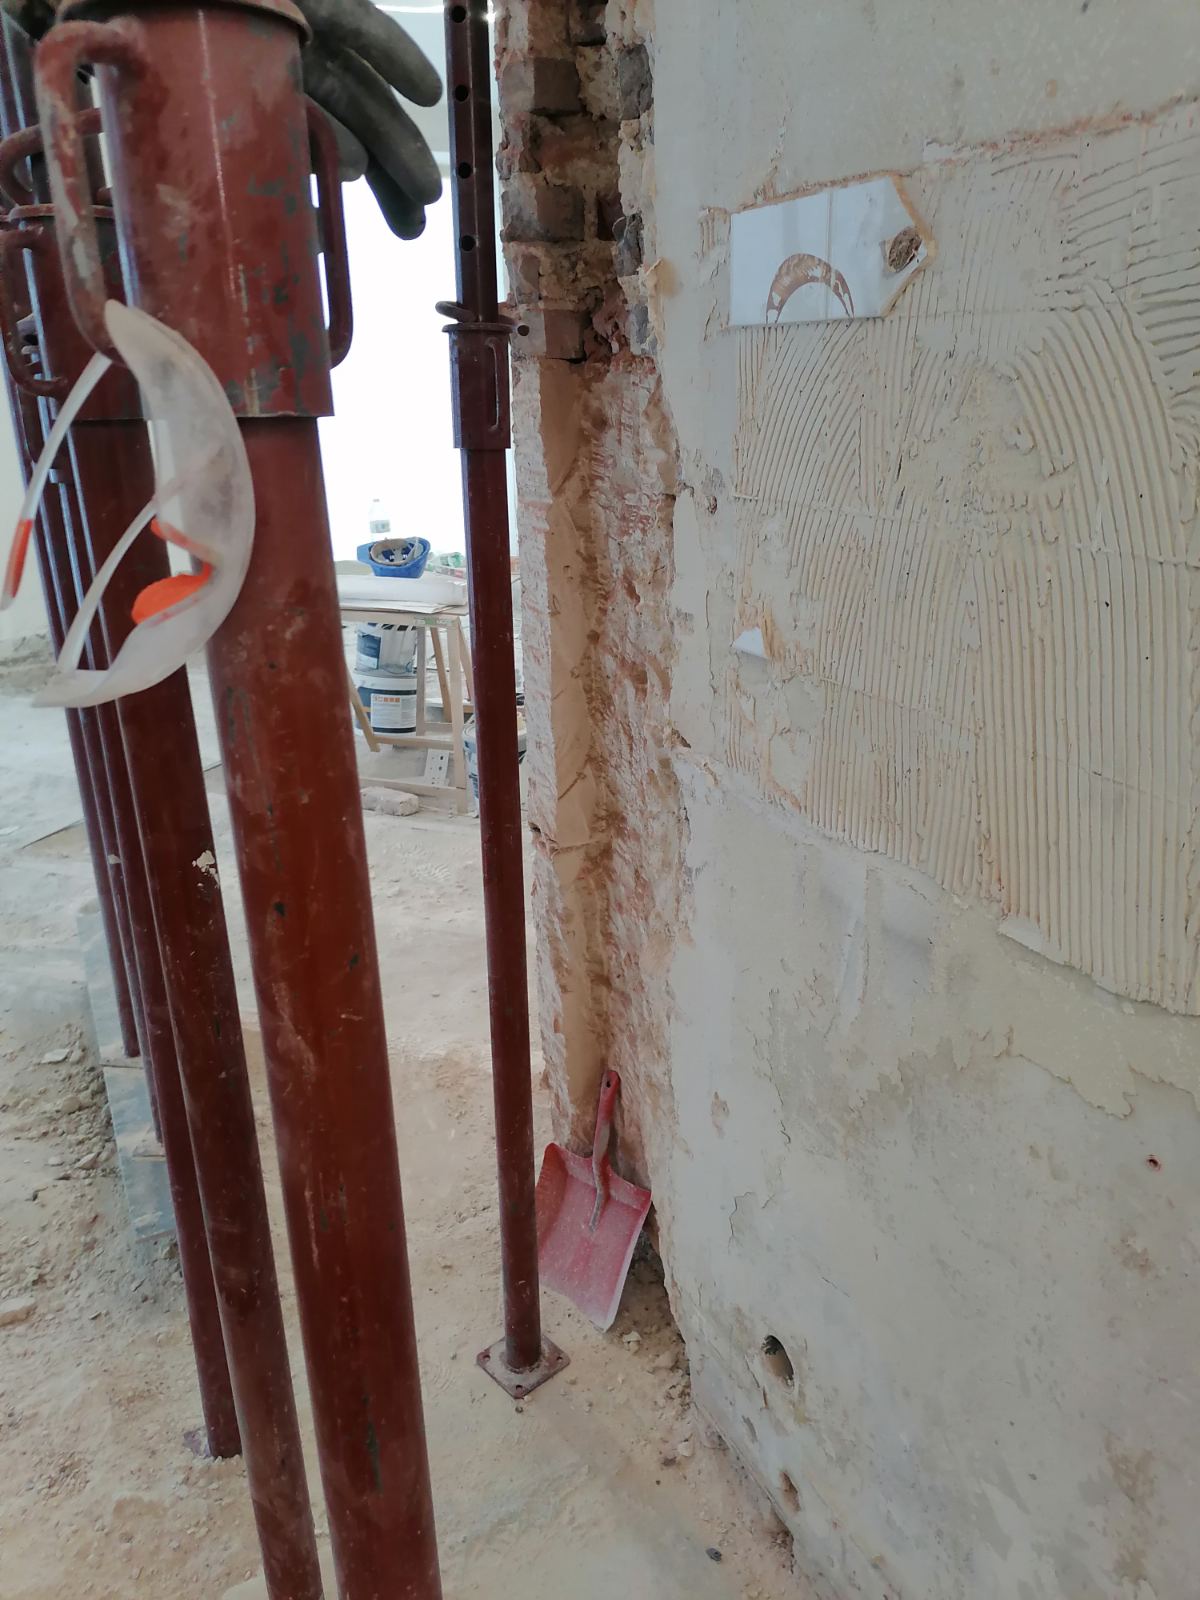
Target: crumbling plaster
[(956, 1180)]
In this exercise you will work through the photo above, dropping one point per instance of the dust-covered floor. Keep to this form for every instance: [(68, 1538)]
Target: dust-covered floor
[(604, 1483)]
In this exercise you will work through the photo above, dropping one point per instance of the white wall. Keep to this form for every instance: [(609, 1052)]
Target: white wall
[(955, 1178)]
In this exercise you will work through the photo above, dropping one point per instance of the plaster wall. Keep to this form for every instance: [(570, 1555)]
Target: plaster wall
[(933, 1076), (892, 932)]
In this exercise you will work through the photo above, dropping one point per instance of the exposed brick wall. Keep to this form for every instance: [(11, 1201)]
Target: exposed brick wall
[(595, 459)]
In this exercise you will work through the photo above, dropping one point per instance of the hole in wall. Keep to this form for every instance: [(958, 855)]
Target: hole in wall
[(788, 1492), (1154, 1162), (646, 1310), (777, 1361)]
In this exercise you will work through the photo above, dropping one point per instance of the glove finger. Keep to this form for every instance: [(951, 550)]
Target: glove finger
[(359, 26), (402, 214), (352, 155), (355, 95)]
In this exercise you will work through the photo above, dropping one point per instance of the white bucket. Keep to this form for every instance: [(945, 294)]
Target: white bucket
[(384, 647), (390, 701), (471, 751)]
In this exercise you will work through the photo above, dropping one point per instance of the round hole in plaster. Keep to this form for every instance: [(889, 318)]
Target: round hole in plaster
[(1153, 1161), (788, 1492), (777, 1361)]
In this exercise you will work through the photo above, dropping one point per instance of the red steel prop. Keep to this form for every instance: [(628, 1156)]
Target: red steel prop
[(83, 731), (113, 471), (168, 787), (524, 1358), (111, 463), (115, 475), (83, 727), (209, 1095), (200, 101)]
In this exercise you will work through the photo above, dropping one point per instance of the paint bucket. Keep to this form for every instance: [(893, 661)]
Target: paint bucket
[(386, 647), (471, 750), (389, 700)]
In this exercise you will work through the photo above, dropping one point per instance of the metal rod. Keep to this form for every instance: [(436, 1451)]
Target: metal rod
[(115, 474), (64, 530), (201, 987), (479, 367), (83, 732), (231, 1248), (278, 681), (167, 780), (82, 729), (166, 776), (202, 102), (111, 462)]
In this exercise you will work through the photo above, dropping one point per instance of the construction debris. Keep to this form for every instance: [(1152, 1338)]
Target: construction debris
[(17, 1310)]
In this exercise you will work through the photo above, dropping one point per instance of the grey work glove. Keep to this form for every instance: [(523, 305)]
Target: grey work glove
[(357, 58)]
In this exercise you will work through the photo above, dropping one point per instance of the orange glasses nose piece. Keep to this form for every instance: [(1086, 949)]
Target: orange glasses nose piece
[(168, 592), (16, 558)]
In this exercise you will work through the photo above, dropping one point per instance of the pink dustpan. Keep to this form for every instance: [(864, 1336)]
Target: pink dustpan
[(588, 1220)]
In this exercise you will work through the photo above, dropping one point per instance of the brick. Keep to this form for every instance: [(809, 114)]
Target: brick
[(525, 276), (534, 27), (556, 333), (564, 146), (538, 212), (546, 84), (516, 153), (635, 82), (585, 22)]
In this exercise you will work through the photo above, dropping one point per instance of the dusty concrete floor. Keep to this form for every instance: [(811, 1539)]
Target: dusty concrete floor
[(605, 1484)]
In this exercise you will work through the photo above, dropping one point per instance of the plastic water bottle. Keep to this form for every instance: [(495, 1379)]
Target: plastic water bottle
[(380, 523)]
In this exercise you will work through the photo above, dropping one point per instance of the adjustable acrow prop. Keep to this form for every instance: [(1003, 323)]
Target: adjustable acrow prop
[(111, 466), (194, 1038), (208, 145), (479, 349), (58, 518)]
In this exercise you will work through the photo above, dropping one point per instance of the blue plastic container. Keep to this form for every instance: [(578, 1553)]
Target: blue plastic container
[(395, 558)]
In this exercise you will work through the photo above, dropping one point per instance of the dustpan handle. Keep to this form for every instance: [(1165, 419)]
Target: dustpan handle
[(609, 1090)]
